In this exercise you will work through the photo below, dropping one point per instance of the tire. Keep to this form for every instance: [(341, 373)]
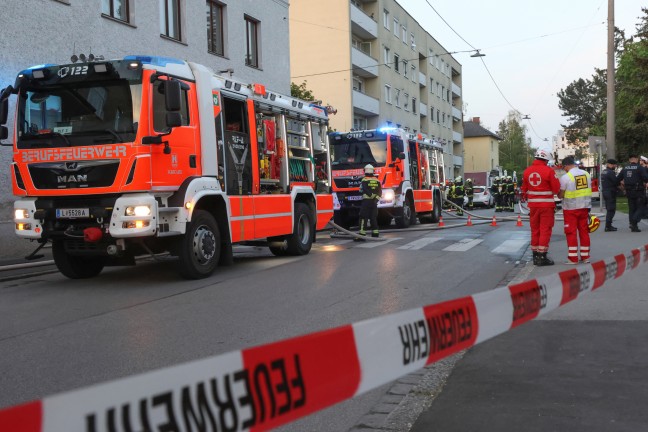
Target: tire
[(301, 240), (200, 247), (436, 211), (407, 214), (75, 267)]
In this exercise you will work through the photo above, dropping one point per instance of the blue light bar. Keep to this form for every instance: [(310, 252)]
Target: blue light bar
[(154, 60)]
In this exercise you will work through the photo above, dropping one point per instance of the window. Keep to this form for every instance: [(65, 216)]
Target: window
[(252, 42), (359, 123), (398, 98), (413, 73), (159, 109), (438, 89), (414, 105), (395, 27), (438, 117), (431, 86), (117, 9), (443, 117), (386, 18), (405, 64), (386, 59), (404, 33), (443, 93), (215, 40), (358, 84), (388, 94), (406, 101), (396, 62), (412, 41), (170, 19), (431, 56)]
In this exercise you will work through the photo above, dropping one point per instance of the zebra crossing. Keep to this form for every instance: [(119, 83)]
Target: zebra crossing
[(447, 243)]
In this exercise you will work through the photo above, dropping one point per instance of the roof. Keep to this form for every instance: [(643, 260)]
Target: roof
[(473, 130)]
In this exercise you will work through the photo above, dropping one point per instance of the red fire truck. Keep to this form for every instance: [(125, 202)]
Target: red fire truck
[(410, 168), (114, 159)]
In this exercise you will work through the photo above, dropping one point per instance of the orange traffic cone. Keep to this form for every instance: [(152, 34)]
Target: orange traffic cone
[(494, 222), (469, 223), (441, 224), (519, 221)]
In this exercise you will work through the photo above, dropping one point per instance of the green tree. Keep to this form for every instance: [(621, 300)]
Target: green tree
[(515, 149), (583, 102), (301, 91)]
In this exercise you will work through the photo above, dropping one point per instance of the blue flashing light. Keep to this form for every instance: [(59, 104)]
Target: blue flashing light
[(154, 60), (386, 129)]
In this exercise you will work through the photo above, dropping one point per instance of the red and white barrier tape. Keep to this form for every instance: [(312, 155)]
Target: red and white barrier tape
[(264, 387)]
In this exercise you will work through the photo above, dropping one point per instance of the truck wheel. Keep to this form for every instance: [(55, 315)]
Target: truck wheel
[(75, 267), (301, 240), (199, 250), (407, 214), (436, 211)]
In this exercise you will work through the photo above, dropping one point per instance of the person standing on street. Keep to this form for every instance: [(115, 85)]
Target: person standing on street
[(643, 161), (634, 178), (457, 195), (371, 193), (576, 193), (510, 194), (468, 188), (539, 185), (609, 185), (499, 194)]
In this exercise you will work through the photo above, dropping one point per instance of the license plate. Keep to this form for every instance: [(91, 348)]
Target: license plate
[(354, 198), (73, 213)]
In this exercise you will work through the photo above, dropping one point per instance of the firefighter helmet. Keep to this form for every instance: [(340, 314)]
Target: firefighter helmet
[(468, 180), (542, 154), (593, 223), (369, 169)]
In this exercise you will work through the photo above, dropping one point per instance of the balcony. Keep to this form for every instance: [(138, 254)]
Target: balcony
[(456, 90), (457, 137), (362, 24), (422, 79), (456, 114), (457, 161), (423, 109), (365, 105), (363, 65)]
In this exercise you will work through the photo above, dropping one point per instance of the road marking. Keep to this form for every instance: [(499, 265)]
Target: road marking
[(380, 243), (420, 243), (463, 245), (510, 246)]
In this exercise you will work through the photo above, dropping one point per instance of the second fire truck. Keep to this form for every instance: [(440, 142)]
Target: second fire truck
[(409, 167)]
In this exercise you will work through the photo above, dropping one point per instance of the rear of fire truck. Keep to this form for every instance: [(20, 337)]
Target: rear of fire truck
[(115, 159)]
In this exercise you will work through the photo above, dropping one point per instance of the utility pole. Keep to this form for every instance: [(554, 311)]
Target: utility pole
[(611, 112)]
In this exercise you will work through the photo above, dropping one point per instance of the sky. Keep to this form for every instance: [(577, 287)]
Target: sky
[(532, 48)]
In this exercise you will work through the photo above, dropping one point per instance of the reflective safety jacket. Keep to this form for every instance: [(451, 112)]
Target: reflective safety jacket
[(577, 185), (540, 184), (370, 188), (456, 191)]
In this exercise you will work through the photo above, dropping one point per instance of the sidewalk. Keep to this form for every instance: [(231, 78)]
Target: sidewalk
[(580, 368)]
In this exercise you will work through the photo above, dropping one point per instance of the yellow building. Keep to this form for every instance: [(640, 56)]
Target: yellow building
[(374, 62), (481, 147)]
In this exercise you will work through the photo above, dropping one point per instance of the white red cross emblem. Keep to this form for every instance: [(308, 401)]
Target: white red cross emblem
[(535, 179)]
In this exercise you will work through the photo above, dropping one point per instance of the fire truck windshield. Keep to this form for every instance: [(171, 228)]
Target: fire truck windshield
[(349, 153), (78, 113)]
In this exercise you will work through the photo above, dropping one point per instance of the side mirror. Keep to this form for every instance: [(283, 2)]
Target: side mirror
[(4, 111), (173, 119), (172, 94), (401, 156)]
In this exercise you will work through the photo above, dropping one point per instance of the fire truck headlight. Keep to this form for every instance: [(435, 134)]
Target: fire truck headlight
[(388, 195), (140, 210), (20, 214)]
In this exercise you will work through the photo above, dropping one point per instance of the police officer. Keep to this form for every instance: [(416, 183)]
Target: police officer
[(371, 193), (468, 188), (609, 185), (634, 178), (457, 195)]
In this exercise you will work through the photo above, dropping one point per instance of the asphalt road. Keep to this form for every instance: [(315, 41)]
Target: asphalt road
[(57, 334)]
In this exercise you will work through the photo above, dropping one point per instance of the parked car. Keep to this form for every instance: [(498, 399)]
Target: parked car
[(482, 197)]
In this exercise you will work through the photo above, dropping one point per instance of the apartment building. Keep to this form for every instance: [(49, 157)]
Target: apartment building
[(561, 148), (235, 36), (377, 66)]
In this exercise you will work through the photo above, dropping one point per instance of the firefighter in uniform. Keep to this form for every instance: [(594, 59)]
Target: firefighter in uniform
[(468, 188), (493, 190), (510, 193), (499, 194), (576, 193), (634, 178), (609, 185), (539, 185), (371, 193), (457, 195)]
